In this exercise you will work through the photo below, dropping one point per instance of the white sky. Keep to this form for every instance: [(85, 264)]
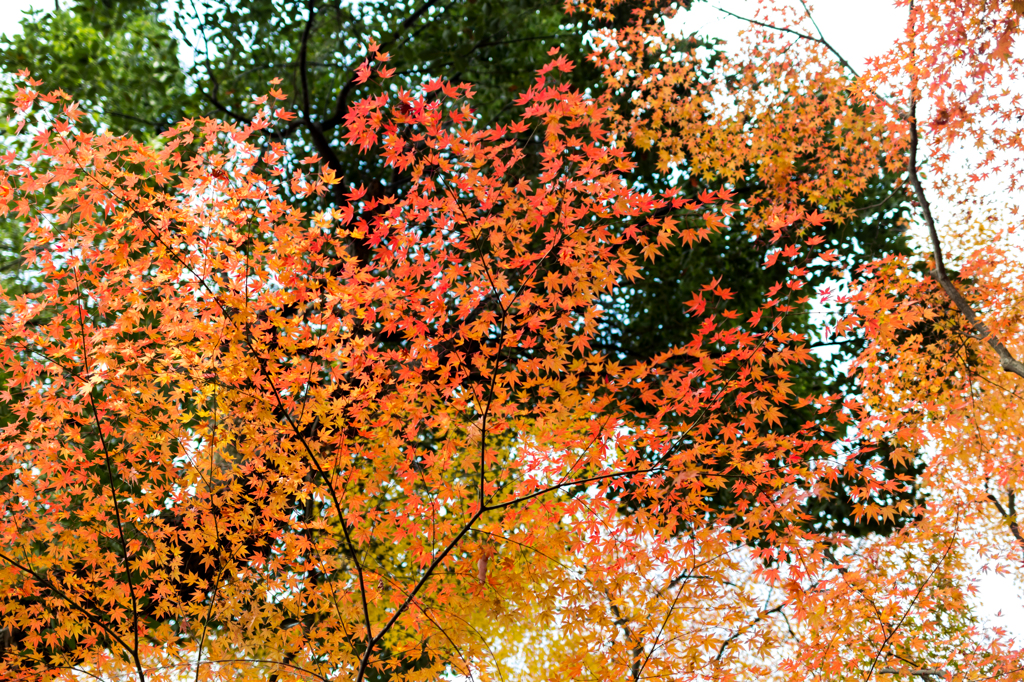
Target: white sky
[(858, 30), (10, 14)]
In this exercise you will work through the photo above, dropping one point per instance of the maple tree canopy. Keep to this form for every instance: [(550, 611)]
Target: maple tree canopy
[(266, 422), (118, 58)]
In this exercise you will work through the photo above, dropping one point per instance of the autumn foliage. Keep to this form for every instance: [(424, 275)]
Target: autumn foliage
[(375, 441)]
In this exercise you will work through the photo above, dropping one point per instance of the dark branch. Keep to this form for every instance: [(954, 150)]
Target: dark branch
[(782, 29), (981, 330)]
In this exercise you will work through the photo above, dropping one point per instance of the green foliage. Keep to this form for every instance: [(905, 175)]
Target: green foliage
[(117, 58)]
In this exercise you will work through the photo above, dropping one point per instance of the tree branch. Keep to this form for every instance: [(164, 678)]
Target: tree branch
[(341, 104), (782, 29), (1010, 516), (303, 49), (93, 618), (1006, 359), (113, 494), (820, 40), (415, 590), (337, 504), (923, 672), (735, 635)]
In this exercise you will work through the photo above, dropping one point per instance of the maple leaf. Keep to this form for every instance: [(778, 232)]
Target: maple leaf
[(363, 73)]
